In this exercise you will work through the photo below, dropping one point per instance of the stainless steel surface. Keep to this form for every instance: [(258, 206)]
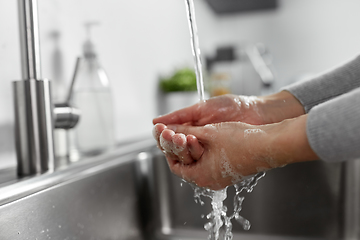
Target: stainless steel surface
[(34, 122), (352, 200), (29, 39), (33, 107), (66, 117), (129, 193), (31, 185), (104, 197), (313, 200), (33, 126)]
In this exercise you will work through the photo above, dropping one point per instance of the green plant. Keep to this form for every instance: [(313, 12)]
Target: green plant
[(182, 80)]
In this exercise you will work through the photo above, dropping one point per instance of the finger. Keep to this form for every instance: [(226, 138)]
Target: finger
[(157, 130), (167, 145), (181, 148), (195, 148), (175, 146), (185, 115), (166, 139)]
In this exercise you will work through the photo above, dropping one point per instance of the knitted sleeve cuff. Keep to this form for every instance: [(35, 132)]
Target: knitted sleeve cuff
[(333, 83), (333, 128)]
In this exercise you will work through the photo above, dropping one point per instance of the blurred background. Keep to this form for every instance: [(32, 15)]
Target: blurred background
[(138, 42), (143, 44)]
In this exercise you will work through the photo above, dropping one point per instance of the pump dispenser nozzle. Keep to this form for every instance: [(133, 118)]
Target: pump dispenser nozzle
[(89, 48)]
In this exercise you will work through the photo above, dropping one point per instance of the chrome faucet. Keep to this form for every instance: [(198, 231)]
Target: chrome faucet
[(259, 64), (242, 58), (35, 115)]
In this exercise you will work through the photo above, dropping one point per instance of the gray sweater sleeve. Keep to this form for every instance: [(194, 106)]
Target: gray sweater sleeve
[(333, 103)]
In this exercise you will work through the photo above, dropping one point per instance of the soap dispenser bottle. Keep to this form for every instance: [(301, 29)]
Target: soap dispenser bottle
[(91, 94)]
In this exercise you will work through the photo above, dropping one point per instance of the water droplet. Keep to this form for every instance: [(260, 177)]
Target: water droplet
[(207, 226)]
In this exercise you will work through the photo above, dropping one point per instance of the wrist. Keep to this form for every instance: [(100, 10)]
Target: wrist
[(280, 106), (289, 142)]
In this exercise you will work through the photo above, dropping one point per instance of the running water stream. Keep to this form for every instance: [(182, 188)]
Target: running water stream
[(218, 217), (195, 48)]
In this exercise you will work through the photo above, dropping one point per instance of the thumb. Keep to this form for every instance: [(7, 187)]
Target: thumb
[(180, 116)]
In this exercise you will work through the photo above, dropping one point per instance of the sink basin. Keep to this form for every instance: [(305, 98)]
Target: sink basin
[(129, 193)]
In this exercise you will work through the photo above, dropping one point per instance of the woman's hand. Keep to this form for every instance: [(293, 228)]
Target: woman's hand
[(218, 155), (232, 108), (225, 108)]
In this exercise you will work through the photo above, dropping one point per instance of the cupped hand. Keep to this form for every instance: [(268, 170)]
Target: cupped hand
[(224, 108), (215, 155), (218, 142), (232, 108)]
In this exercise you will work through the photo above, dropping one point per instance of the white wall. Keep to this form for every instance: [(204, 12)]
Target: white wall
[(139, 40), (304, 36)]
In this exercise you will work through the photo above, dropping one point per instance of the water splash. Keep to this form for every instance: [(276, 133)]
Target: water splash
[(218, 218)]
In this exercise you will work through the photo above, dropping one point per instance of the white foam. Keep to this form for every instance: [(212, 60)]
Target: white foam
[(178, 149), (228, 169), (249, 132), (238, 101), (166, 145), (155, 132), (249, 100), (170, 147), (210, 126)]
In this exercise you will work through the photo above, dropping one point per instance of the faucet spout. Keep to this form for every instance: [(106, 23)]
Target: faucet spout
[(29, 39), (34, 110), (32, 98)]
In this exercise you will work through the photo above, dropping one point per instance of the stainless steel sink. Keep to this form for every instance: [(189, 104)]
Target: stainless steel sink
[(129, 193)]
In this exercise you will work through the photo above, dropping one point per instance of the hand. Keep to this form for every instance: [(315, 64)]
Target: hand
[(224, 108), (232, 108), (218, 155)]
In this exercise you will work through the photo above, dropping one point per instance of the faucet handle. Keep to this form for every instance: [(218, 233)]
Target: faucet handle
[(68, 98), (66, 117), (260, 66)]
